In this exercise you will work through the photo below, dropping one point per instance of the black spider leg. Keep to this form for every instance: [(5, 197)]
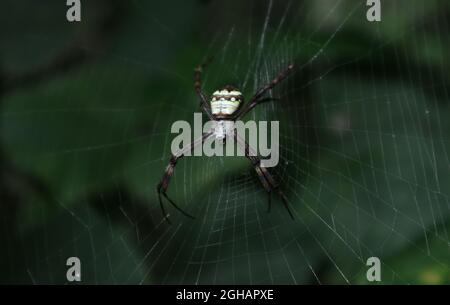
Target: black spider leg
[(264, 175), (164, 182), (256, 99), (198, 89)]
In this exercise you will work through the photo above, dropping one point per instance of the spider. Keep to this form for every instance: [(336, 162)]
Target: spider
[(226, 106)]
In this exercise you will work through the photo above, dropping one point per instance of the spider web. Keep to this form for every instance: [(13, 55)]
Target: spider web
[(363, 156)]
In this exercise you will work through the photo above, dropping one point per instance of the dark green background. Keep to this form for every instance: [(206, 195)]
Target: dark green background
[(86, 110)]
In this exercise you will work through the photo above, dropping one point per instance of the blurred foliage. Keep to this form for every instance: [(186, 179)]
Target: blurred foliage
[(85, 137)]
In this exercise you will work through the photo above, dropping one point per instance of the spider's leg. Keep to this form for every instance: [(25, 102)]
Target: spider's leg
[(168, 173), (255, 162), (266, 186), (161, 205), (275, 186), (198, 88), (263, 173), (256, 99), (247, 109), (163, 185)]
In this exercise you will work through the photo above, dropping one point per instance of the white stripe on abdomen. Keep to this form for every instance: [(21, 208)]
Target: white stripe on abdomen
[(224, 107)]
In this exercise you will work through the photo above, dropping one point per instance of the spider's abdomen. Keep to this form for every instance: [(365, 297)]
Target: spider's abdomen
[(224, 107), (225, 102)]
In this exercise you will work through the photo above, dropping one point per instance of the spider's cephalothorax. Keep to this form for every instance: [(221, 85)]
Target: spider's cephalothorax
[(225, 107), (225, 102)]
